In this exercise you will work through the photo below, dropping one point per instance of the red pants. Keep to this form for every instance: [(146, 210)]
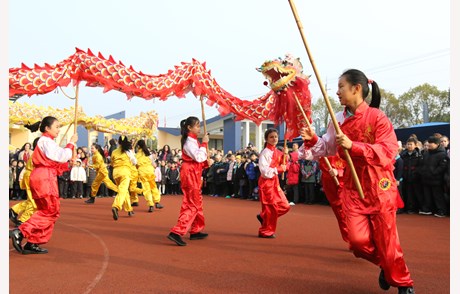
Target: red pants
[(274, 204), (332, 195), (39, 228), (375, 237), (191, 212)]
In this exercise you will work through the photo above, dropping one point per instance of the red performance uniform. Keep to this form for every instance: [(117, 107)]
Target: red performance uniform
[(194, 158), (331, 190), (371, 221), (274, 202), (49, 161)]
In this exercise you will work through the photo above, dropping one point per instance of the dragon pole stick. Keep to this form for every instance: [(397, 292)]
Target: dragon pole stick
[(76, 109), (326, 100), (65, 134), (284, 154), (75, 119), (203, 118), (329, 166)]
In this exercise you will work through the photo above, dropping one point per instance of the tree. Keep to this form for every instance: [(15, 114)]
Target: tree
[(424, 98), (320, 114), (391, 107)]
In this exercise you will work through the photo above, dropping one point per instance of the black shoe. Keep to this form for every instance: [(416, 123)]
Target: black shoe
[(151, 209), (176, 238), (382, 282), (13, 217), (198, 236), (267, 237), (130, 213), (115, 213), (90, 200), (406, 290), (158, 205), (135, 204), (31, 248), (16, 238)]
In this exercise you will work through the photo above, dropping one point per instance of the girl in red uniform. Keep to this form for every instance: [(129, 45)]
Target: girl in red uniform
[(49, 161), (194, 157), (274, 202), (369, 137)]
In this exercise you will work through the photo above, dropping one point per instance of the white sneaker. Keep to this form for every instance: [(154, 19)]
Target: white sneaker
[(291, 203)]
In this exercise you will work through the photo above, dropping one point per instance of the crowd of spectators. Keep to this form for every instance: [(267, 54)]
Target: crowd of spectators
[(422, 172)]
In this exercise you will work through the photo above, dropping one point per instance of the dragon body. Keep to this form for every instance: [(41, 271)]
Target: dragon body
[(143, 125), (98, 71)]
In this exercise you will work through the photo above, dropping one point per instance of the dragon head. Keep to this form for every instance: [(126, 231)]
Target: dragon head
[(281, 72)]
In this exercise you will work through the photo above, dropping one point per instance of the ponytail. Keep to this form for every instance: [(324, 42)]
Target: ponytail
[(41, 125), (33, 127), (375, 100)]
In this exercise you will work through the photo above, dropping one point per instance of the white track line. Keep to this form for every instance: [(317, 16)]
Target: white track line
[(105, 263)]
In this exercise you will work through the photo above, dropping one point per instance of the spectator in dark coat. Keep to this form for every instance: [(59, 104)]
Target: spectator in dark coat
[(63, 184), (252, 171), (435, 162), (165, 154), (398, 173), (220, 175), (241, 179), (173, 176), (412, 193)]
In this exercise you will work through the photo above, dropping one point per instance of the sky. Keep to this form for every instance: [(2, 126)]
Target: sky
[(398, 44)]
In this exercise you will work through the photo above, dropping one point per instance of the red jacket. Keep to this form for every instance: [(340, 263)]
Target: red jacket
[(293, 169)]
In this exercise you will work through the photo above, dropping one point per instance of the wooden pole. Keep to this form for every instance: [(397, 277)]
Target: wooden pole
[(65, 134), (326, 100), (76, 110), (284, 154), (203, 118), (75, 119)]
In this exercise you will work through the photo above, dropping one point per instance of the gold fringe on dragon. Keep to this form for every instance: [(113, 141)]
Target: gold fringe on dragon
[(285, 77)]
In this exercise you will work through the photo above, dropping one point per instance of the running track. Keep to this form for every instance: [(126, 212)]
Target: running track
[(91, 253)]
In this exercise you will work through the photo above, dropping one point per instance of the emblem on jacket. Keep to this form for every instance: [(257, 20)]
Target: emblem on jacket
[(384, 184)]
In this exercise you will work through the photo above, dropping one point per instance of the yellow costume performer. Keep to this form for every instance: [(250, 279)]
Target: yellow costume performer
[(147, 177), (102, 175), (122, 163), (23, 210)]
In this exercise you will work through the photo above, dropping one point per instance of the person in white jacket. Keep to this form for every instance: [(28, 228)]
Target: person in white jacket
[(77, 177), (157, 175)]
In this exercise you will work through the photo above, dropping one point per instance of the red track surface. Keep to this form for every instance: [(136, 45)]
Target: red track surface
[(91, 253)]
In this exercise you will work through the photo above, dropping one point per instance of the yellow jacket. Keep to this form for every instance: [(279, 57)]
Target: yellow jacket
[(144, 164), (98, 161), (120, 158)]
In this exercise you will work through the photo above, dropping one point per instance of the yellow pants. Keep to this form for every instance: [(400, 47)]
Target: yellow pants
[(149, 188), (102, 177), (25, 208), (122, 176), (133, 189)]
